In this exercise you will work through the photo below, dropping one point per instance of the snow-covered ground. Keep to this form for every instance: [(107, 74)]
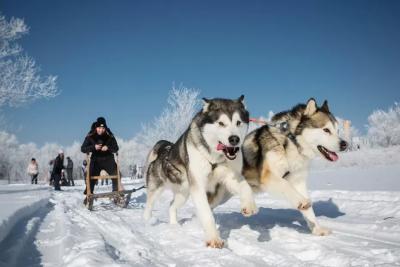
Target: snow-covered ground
[(359, 201)]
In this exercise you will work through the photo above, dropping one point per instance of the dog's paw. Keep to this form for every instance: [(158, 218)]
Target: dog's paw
[(320, 231), (215, 243), (304, 204), (249, 209)]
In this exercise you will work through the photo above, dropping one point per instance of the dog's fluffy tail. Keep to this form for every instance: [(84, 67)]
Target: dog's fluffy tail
[(154, 153)]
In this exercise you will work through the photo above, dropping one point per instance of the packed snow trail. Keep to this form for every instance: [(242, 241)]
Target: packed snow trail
[(62, 232)]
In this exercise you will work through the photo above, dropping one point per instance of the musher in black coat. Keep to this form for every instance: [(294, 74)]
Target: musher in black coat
[(102, 144)]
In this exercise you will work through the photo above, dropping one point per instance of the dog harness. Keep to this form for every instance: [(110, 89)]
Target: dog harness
[(284, 129)]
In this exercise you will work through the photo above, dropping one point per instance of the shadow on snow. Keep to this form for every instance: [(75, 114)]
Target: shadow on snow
[(268, 218)]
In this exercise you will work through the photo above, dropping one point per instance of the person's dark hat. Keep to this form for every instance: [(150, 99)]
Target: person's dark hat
[(100, 122)]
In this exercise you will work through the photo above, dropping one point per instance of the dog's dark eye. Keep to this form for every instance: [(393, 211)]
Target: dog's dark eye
[(327, 130), (238, 123), (221, 124)]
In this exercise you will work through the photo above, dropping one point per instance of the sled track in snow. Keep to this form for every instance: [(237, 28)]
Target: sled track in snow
[(126, 240), (112, 224)]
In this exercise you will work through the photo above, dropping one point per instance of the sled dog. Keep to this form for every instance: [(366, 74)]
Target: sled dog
[(207, 156), (269, 151)]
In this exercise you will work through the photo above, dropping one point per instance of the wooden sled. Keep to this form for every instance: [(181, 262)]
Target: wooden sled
[(120, 197)]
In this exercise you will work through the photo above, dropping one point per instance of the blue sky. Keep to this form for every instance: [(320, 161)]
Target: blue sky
[(119, 59)]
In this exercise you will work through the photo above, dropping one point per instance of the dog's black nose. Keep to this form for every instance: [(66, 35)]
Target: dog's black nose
[(343, 145), (234, 140)]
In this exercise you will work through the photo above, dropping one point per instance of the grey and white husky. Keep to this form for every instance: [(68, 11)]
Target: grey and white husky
[(206, 156), (276, 159)]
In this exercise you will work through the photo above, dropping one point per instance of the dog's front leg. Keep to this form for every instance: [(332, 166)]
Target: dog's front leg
[(199, 197), (300, 185), (199, 171), (283, 187), (313, 224), (237, 185)]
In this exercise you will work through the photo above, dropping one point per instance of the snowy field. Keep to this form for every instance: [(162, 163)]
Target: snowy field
[(359, 199)]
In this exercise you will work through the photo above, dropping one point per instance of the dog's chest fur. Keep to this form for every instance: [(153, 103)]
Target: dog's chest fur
[(297, 161)]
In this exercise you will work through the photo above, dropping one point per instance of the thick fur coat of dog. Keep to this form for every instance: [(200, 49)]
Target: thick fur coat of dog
[(207, 156), (312, 131)]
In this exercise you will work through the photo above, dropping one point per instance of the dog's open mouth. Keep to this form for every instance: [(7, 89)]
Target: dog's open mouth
[(229, 151), (329, 155)]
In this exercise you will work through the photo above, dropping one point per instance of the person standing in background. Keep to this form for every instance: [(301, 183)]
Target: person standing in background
[(51, 178), (70, 170), (134, 171), (33, 170)]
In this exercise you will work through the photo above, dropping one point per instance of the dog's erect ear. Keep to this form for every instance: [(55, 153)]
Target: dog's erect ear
[(206, 104), (206, 100), (325, 107), (311, 107), (241, 100)]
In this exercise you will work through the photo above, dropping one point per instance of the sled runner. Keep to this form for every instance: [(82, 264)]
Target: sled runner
[(120, 197)]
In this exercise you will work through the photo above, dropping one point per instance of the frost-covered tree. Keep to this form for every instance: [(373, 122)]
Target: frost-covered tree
[(129, 154), (20, 81), (183, 103), (384, 127), (8, 144)]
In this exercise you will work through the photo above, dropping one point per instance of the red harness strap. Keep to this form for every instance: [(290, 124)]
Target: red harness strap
[(257, 121)]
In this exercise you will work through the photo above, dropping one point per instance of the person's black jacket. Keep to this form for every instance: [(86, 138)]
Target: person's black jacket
[(106, 140), (70, 164), (58, 165)]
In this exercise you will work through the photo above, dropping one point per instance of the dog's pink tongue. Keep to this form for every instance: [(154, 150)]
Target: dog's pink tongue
[(220, 146), (333, 156)]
